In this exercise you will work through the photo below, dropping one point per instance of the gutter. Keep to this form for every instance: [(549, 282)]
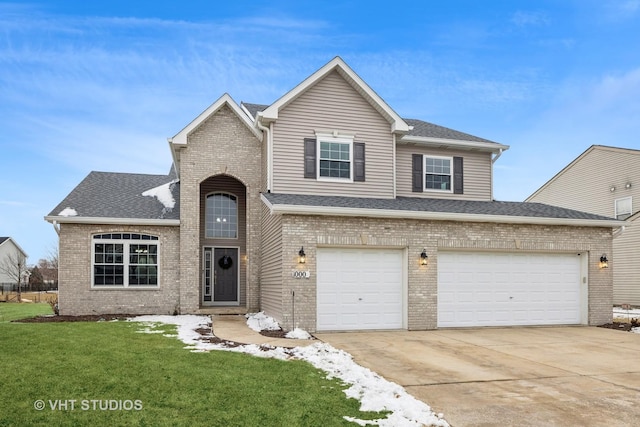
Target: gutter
[(496, 156), (57, 220), (433, 216)]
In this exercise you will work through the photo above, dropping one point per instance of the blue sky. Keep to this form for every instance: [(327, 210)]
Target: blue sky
[(101, 85)]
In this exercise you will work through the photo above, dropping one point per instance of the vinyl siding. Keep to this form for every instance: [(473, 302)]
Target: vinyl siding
[(332, 104), (626, 265), (477, 172), (586, 185), (271, 269)]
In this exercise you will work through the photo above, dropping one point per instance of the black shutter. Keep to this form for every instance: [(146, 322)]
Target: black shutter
[(310, 158), (458, 176), (418, 179), (358, 161)]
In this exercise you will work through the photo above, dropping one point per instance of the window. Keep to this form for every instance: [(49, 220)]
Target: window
[(623, 208), (125, 260), (438, 173), (335, 159), (221, 216)]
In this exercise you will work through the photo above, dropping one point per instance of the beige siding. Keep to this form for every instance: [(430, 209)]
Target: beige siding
[(586, 185), (626, 265), (271, 269), (476, 166), (332, 104)]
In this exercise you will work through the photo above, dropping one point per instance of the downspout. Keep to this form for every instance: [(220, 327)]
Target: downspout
[(619, 231), (493, 160), (394, 165), (269, 132)]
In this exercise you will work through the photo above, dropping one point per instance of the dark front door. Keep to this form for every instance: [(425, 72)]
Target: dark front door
[(220, 278)]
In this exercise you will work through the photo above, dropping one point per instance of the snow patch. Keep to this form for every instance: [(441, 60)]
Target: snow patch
[(298, 334), (261, 322), (68, 212), (163, 194), (374, 392)]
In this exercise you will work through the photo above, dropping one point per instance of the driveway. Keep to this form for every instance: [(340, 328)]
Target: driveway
[(533, 376)]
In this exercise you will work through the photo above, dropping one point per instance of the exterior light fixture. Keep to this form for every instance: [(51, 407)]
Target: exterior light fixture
[(424, 259), (302, 257), (604, 262), (627, 185)]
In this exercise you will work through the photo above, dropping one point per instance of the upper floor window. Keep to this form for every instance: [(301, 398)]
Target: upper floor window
[(438, 173), (125, 260), (221, 216), (334, 158), (623, 207)]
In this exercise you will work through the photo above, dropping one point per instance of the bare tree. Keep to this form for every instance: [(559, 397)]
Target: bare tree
[(14, 265), (49, 268)]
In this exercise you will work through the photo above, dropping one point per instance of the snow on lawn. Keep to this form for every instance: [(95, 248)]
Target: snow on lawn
[(261, 322), (628, 314), (374, 392)]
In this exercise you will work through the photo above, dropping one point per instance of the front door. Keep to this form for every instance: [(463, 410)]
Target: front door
[(220, 276)]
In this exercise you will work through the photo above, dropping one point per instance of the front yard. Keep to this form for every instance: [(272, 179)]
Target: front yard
[(106, 373)]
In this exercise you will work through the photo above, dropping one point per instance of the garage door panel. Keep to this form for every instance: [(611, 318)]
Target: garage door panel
[(499, 289), (365, 289)]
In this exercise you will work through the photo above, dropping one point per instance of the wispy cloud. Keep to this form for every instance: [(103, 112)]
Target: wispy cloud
[(530, 18)]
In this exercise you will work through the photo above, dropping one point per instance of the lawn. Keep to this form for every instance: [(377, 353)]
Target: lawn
[(106, 373)]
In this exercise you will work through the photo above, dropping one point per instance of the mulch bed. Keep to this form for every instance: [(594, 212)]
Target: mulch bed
[(85, 318), (621, 326)]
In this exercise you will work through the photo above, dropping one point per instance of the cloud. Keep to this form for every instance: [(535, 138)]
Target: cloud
[(530, 19)]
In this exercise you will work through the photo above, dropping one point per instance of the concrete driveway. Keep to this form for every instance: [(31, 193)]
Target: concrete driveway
[(534, 376)]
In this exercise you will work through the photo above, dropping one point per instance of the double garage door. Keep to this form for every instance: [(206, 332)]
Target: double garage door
[(504, 289), (363, 289)]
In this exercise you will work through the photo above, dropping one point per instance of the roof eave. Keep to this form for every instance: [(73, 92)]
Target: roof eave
[(54, 219), (492, 147), (434, 216)]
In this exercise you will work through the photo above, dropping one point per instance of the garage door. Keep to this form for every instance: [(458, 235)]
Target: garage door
[(359, 289), (501, 289)]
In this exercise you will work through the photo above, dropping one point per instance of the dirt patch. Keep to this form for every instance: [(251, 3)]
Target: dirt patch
[(278, 333), (86, 318)]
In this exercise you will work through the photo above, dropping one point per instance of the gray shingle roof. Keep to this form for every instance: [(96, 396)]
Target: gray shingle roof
[(2, 239), (119, 195), (420, 127), (418, 204)]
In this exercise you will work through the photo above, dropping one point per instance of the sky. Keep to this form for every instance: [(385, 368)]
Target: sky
[(101, 85)]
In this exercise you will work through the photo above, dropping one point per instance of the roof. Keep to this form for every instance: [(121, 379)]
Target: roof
[(435, 209), (420, 129), (4, 240), (108, 195)]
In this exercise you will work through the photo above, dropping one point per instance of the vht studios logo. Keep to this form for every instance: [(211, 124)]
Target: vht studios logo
[(88, 405)]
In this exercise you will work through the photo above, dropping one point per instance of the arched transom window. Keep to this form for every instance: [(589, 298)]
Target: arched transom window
[(221, 216)]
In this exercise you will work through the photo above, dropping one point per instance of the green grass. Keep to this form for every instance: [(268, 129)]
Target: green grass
[(13, 311), (110, 361)]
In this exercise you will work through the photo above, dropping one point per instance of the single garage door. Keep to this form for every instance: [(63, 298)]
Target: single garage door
[(359, 289), (503, 289)]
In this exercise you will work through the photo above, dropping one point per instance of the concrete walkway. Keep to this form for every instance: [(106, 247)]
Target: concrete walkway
[(234, 328), (555, 376)]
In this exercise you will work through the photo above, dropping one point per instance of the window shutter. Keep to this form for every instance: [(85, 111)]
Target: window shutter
[(310, 158), (458, 178), (418, 176), (358, 161)]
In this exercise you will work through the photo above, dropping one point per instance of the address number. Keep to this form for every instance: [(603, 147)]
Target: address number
[(301, 274)]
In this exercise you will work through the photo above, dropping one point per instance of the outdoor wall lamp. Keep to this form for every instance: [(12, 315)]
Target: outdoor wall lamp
[(302, 257), (604, 262), (424, 259)]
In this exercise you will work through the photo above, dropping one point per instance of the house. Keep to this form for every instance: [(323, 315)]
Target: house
[(605, 181), (12, 264), (328, 211)]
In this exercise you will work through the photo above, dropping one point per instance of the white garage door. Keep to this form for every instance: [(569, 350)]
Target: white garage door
[(501, 289), (359, 289)]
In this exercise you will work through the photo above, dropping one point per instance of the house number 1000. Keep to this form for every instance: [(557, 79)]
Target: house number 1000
[(301, 274)]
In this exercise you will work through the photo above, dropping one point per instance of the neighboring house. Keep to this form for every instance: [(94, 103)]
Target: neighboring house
[(605, 181), (10, 252), (328, 211)]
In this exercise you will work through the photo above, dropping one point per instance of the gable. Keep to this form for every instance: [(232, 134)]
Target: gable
[(337, 65)]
